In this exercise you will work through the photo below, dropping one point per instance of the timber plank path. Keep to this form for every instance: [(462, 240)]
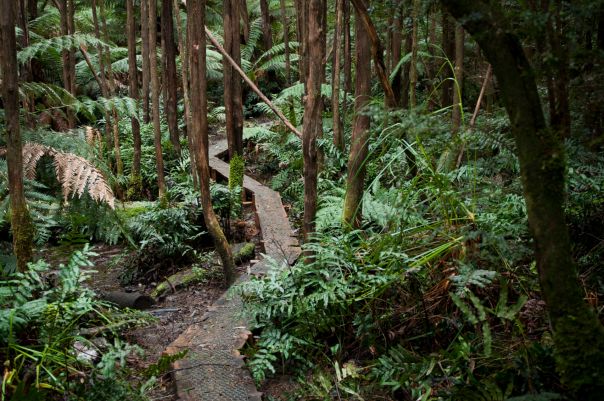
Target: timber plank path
[(214, 369)]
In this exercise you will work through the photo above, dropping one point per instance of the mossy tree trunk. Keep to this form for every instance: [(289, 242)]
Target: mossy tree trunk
[(199, 100), (145, 56), (338, 128), (578, 335), (21, 223), (360, 138)]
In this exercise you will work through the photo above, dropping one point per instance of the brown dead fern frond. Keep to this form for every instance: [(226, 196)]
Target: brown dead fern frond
[(75, 174)]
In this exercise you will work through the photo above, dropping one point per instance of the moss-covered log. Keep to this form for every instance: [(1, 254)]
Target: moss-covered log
[(578, 335)]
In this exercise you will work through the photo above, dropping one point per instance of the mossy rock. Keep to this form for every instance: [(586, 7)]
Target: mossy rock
[(243, 252)]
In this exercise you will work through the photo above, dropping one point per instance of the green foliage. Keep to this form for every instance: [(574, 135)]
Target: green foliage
[(42, 317)]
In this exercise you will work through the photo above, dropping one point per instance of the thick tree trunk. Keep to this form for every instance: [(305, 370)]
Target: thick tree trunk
[(377, 52), (313, 110), (133, 81), (578, 335), (458, 88), (159, 158), (233, 96), (170, 76), (352, 214), (197, 54), (338, 128), (145, 54), (21, 223)]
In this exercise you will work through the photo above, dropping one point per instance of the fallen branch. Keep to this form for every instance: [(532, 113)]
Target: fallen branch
[(252, 85)]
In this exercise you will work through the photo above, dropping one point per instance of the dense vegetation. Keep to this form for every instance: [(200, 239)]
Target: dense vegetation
[(442, 162)]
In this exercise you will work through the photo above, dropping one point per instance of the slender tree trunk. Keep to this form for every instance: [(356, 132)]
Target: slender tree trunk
[(21, 223), (184, 60), (285, 23), (32, 9), (159, 158), (347, 58), (233, 96), (170, 76), (414, 46), (377, 52), (66, 55), (245, 18), (432, 66), (313, 110), (395, 51), (448, 46), (406, 80), (133, 81), (267, 36), (578, 335), (352, 215), (301, 35), (338, 129), (145, 56), (458, 88), (104, 86), (112, 91), (197, 53)]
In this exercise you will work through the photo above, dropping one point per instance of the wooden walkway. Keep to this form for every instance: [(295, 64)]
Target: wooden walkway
[(214, 369)]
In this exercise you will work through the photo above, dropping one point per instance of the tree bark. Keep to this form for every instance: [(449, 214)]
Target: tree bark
[(133, 89), (377, 52), (145, 55), (67, 56), (338, 128), (395, 51), (21, 223), (352, 214), (159, 159), (448, 46), (313, 110), (170, 76), (347, 58), (578, 335), (197, 54), (301, 35), (233, 95)]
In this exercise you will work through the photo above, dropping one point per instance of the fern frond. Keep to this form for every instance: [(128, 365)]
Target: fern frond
[(56, 45)]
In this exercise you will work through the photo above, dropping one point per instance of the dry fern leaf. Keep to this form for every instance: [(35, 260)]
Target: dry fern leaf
[(75, 174)]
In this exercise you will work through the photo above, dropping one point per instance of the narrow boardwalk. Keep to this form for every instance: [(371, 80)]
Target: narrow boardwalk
[(214, 369)]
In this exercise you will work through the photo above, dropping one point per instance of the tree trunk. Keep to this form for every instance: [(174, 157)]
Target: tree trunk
[(133, 81), (245, 18), (233, 96), (66, 55), (458, 88), (352, 214), (395, 51), (170, 76), (21, 223), (377, 52), (578, 335), (32, 9), (338, 129), (448, 46), (285, 23), (184, 60), (301, 35), (347, 58), (414, 46), (313, 110), (145, 56), (197, 54), (112, 92), (161, 182)]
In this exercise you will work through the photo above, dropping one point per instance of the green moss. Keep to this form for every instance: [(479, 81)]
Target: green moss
[(23, 237), (237, 169), (245, 253), (135, 187)]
